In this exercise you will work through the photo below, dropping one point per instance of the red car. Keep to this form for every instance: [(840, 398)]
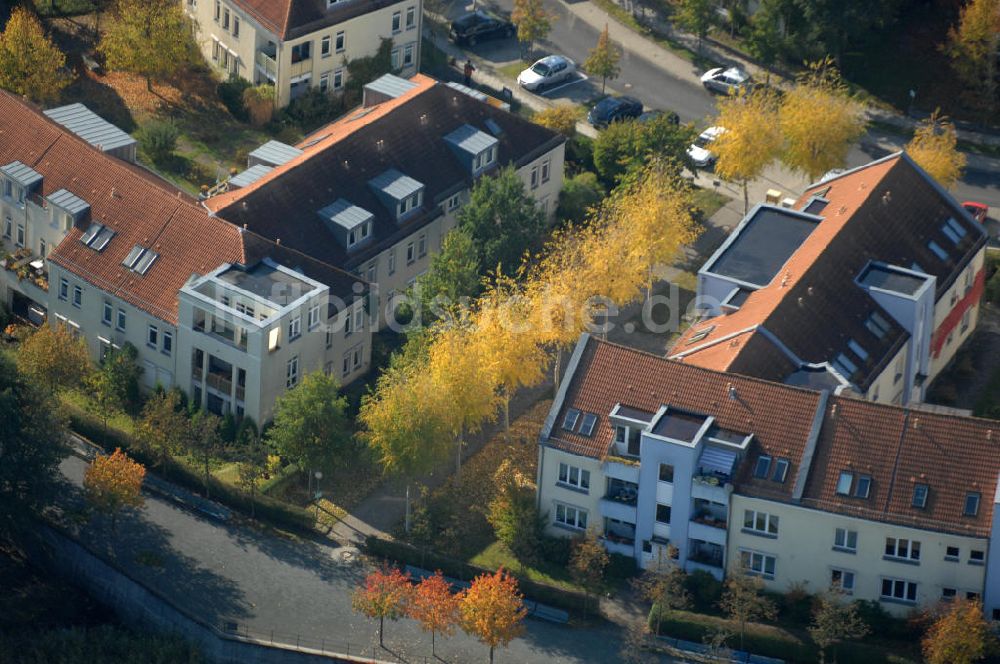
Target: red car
[(977, 210)]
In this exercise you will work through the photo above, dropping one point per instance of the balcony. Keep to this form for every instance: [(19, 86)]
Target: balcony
[(707, 556), (232, 336), (619, 545), (267, 65), (710, 488), (711, 533), (30, 271), (219, 383), (621, 468), (619, 536)]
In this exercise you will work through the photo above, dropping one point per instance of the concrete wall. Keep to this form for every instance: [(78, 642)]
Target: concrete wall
[(551, 491), (138, 606), (805, 554)]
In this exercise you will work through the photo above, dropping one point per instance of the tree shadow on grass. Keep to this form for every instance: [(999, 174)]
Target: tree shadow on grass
[(101, 98)]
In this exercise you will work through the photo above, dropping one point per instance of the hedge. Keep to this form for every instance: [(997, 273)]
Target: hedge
[(406, 554), (266, 508)]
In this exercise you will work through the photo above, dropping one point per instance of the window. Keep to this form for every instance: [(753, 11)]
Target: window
[(857, 350), (313, 316), (215, 49), (666, 472), (218, 10), (120, 324), (902, 548), (763, 467), (844, 483), (546, 170), (168, 343), (662, 513), (877, 325), (453, 203), (951, 553), (295, 328), (292, 372), (411, 17), (338, 79), (422, 245), (571, 517), (629, 439), (324, 85), (842, 580), (236, 27), (152, 336), (899, 590), (571, 418), (938, 251), (410, 256), (396, 16), (757, 563), (107, 313), (966, 319), (338, 43), (392, 261), (920, 492), (844, 365), (8, 228), (780, 470), (760, 523), (408, 55), (587, 427), (533, 180), (863, 487), (972, 596), (977, 557), (63, 289), (41, 247), (971, 504), (19, 241), (948, 593), (324, 47), (301, 52), (574, 477), (225, 19), (845, 540)]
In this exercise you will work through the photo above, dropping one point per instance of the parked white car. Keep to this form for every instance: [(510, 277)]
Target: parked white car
[(699, 151), (726, 81), (548, 71)]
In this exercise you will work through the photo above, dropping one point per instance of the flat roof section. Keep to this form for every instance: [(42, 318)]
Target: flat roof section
[(889, 278), (679, 425), (813, 378), (762, 245), (263, 280), (90, 127)]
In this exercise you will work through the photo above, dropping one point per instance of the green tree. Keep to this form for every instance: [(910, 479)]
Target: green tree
[(835, 620), (163, 427), (158, 139), (603, 59), (765, 40), (362, 71), (579, 194), (532, 22), (502, 220), (625, 147), (588, 562), (151, 38), (204, 443), (453, 276), (55, 358), (664, 587), (831, 25), (974, 47), (253, 463), (311, 426), (696, 16), (513, 514), (743, 602), (115, 385), (32, 443), (30, 63)]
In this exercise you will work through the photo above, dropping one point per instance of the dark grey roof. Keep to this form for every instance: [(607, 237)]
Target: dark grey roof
[(345, 214), (22, 174), (250, 175), (391, 86), (395, 184), (68, 201), (275, 153), (472, 140), (90, 127), (892, 278)]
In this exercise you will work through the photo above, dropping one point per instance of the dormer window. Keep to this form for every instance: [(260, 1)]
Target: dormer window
[(410, 203), (475, 148), (400, 193), (68, 209), (763, 467), (352, 224), (19, 180), (485, 158)]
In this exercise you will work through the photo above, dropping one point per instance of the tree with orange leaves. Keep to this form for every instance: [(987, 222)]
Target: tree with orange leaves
[(114, 482), (493, 610), (960, 635), (434, 606), (385, 594)]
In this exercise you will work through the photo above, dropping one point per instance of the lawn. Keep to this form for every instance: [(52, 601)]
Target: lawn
[(497, 555), (708, 202)]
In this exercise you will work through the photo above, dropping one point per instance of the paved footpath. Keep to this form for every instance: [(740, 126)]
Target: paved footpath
[(225, 572)]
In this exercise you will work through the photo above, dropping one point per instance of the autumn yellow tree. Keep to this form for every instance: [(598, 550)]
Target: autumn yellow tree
[(752, 139), (434, 606), (492, 609), (112, 483), (973, 46), (385, 593), (562, 119), (148, 37), (532, 22), (934, 148), (31, 64), (55, 358), (959, 635), (819, 121), (603, 59)]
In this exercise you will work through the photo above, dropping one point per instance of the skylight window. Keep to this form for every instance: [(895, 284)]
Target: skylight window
[(102, 239), (863, 487), (572, 416), (957, 228), (89, 234), (780, 470), (950, 234), (877, 325), (844, 483), (844, 365), (763, 467), (858, 350), (140, 259), (920, 492), (589, 420), (701, 334), (133, 256), (971, 504), (938, 251)]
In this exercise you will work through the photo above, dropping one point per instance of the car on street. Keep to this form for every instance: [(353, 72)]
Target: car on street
[(699, 151), (726, 81), (649, 116), (977, 210), (614, 109), (546, 72), (479, 26)]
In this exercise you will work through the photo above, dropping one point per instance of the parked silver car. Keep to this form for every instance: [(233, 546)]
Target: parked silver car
[(726, 81), (546, 72)]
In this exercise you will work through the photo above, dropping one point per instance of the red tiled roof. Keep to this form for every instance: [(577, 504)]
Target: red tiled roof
[(898, 447), (289, 19)]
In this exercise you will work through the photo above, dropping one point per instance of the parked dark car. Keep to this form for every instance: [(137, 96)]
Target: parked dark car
[(614, 109), (649, 116), (479, 26)]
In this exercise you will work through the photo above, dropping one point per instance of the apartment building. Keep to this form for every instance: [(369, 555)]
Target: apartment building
[(869, 284), (376, 191), (722, 472), (119, 256), (301, 44)]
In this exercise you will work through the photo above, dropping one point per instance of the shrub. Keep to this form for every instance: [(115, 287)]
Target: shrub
[(579, 193), (795, 605), (231, 93), (993, 288), (580, 153), (259, 104), (561, 119), (158, 139), (705, 590), (556, 550), (310, 110)]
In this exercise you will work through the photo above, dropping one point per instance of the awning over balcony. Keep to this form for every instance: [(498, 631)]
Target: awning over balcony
[(714, 460)]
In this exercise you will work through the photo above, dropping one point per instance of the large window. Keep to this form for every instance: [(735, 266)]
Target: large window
[(396, 18), (108, 312), (842, 580), (845, 540), (574, 477), (757, 563), (295, 328), (899, 590), (571, 517), (411, 17), (628, 438), (666, 472), (292, 372), (301, 52), (153, 336), (663, 513), (120, 324), (760, 523), (903, 549)]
